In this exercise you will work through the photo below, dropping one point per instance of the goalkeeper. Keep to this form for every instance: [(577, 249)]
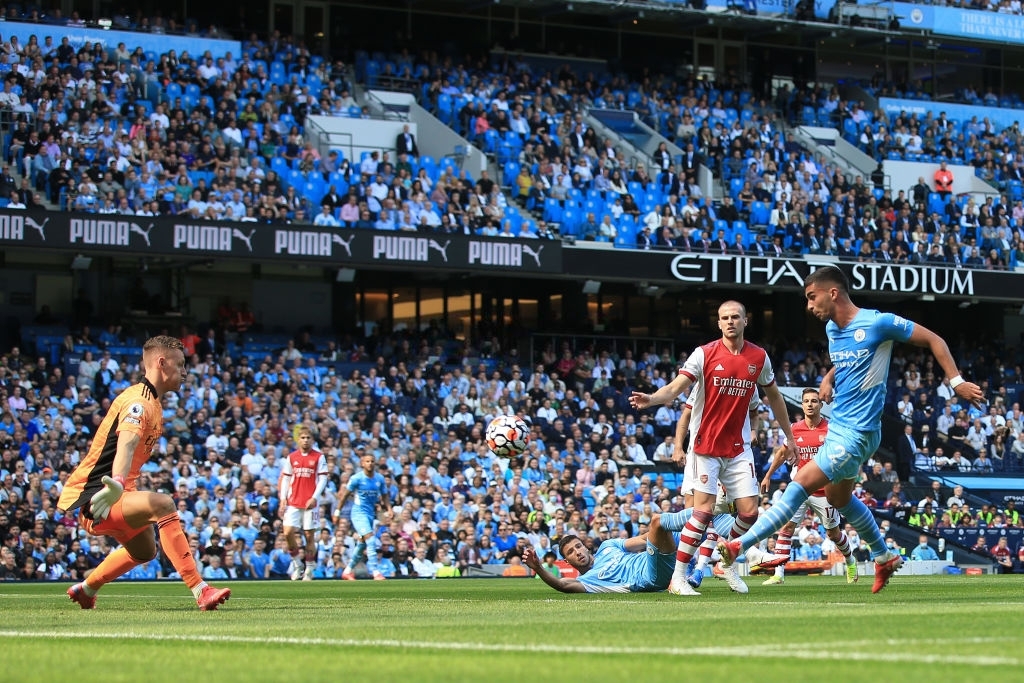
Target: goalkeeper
[(102, 487)]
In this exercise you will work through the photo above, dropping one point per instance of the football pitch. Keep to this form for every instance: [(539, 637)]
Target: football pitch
[(949, 628)]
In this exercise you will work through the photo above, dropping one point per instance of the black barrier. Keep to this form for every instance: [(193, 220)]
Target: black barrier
[(174, 236), (733, 270), (268, 243), (968, 537)]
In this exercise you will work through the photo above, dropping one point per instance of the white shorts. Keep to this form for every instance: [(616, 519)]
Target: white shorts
[(307, 520), (723, 503), (686, 488), (828, 515), (736, 475)]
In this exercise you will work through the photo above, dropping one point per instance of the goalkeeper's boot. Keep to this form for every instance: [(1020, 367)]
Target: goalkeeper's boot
[(77, 593), (212, 597)]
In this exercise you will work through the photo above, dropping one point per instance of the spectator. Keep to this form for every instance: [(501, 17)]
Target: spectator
[(923, 551)]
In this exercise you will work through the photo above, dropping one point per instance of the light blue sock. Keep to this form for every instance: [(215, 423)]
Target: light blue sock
[(358, 554), (723, 524), (371, 554), (675, 521), (776, 517), (858, 514)]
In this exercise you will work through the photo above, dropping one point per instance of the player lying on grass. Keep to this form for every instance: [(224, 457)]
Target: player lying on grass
[(641, 564)]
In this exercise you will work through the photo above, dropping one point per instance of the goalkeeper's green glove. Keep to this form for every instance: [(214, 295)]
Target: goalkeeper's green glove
[(105, 498)]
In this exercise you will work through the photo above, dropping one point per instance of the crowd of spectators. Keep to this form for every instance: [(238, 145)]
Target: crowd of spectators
[(220, 137), (782, 199), (942, 434), (420, 405), (124, 131)]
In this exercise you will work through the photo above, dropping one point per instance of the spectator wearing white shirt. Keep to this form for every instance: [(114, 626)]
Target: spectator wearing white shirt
[(976, 437), (159, 117), (208, 70), (607, 228), (369, 164), (325, 218), (8, 98), (546, 412), (665, 449), (429, 215), (231, 134), (217, 441)]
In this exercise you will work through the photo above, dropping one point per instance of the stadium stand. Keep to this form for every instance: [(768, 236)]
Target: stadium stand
[(220, 137)]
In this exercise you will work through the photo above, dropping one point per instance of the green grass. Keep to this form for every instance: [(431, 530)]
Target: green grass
[(948, 628)]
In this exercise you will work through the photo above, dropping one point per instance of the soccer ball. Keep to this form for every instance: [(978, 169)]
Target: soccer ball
[(507, 435)]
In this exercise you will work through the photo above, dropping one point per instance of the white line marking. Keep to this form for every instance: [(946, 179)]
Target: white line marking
[(779, 651)]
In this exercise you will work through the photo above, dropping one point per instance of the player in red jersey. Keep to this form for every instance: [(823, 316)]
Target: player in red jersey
[(810, 434), (729, 369), (303, 478)]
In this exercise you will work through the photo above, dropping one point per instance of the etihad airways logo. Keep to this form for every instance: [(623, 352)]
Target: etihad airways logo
[(845, 355)]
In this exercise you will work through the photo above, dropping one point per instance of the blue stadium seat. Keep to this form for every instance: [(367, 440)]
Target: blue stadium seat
[(759, 213)]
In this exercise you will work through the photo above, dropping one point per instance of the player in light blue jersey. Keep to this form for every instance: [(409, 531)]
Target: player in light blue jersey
[(370, 489), (860, 344), (642, 564)]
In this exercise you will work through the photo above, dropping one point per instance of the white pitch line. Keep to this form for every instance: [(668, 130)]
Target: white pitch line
[(780, 651)]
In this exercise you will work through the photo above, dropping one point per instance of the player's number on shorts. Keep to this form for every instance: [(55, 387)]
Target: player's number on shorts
[(753, 475), (829, 511)]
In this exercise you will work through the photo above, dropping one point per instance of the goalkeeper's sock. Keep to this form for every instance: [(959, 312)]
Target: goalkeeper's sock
[(175, 546), (114, 565), (197, 589)]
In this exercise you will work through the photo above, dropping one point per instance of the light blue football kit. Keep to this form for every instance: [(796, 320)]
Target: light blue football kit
[(368, 492), (616, 570), (860, 353)]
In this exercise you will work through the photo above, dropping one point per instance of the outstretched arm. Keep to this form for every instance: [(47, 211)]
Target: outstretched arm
[(561, 585), (666, 394), (924, 337)]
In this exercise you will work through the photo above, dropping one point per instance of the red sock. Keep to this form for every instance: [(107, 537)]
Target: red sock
[(741, 525), (175, 546), (113, 565), (784, 544), (691, 535), (710, 543)]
